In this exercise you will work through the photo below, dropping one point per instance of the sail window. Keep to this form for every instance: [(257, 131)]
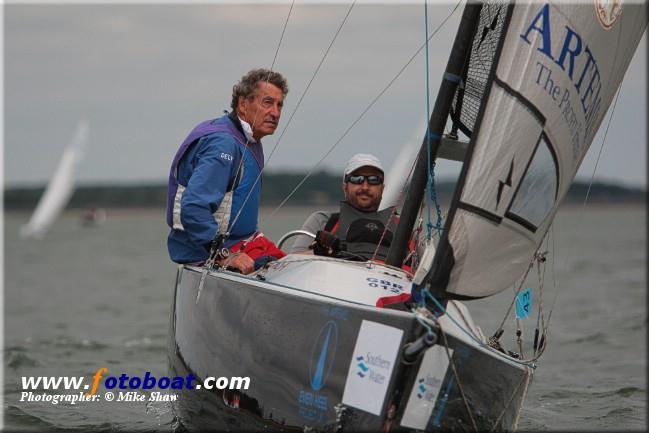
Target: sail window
[(537, 192)]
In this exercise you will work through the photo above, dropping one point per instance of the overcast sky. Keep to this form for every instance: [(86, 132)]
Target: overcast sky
[(144, 75)]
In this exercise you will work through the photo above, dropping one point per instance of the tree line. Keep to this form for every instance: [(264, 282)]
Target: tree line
[(320, 188)]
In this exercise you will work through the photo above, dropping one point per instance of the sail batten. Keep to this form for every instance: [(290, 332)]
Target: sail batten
[(553, 80)]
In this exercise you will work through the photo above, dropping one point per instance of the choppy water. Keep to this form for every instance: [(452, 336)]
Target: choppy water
[(84, 298)]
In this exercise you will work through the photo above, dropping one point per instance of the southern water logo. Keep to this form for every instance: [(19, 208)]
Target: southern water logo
[(428, 388), (323, 355), (362, 368), (374, 367), (421, 389)]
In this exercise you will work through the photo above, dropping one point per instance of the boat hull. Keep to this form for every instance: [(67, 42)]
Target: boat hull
[(300, 352)]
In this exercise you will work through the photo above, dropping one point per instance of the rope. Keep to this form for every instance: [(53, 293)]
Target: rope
[(516, 293), (525, 376), (540, 317), (421, 319), (427, 293), (457, 379), (399, 200), (281, 38), (385, 230), (306, 89), (608, 125), (362, 114), (433, 196), (526, 362), (210, 262), (431, 164), (272, 152), (429, 226)]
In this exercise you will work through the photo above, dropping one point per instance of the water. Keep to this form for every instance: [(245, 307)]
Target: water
[(84, 298)]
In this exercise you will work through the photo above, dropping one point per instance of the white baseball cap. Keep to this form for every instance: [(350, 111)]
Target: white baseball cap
[(362, 160)]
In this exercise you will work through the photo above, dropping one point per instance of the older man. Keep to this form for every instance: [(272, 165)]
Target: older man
[(214, 185), (359, 231)]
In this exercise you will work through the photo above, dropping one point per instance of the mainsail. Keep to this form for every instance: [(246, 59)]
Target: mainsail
[(556, 73), (60, 188)]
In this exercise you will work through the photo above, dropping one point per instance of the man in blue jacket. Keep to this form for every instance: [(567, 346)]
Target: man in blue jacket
[(214, 182)]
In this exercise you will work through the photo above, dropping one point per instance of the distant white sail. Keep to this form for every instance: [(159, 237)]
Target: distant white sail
[(399, 175), (60, 188)]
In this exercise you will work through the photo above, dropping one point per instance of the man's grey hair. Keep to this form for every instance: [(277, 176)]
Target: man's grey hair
[(248, 84)]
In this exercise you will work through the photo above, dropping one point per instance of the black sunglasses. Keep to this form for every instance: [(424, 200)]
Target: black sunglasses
[(358, 179)]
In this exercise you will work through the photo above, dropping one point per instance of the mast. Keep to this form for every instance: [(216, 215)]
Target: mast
[(454, 68)]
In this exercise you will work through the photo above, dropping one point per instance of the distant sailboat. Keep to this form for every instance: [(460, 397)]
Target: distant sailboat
[(396, 182), (93, 216), (60, 188)]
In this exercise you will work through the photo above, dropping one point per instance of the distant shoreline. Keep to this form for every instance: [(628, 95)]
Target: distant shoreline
[(321, 189), (125, 211)]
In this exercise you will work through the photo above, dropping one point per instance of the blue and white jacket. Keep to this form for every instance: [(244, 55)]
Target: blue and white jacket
[(213, 178)]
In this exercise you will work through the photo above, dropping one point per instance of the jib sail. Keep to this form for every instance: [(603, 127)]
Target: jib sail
[(555, 75)]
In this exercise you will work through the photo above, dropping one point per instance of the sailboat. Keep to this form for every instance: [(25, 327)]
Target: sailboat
[(60, 188), (529, 84)]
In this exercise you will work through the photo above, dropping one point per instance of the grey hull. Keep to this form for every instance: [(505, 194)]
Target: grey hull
[(241, 327)]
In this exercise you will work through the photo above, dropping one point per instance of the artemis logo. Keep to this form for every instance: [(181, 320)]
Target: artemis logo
[(323, 355), (226, 156)]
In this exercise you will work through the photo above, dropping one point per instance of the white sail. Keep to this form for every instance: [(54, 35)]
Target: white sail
[(60, 188), (557, 73), (400, 170)]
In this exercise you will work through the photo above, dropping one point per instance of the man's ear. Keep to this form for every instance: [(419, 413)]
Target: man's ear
[(241, 106)]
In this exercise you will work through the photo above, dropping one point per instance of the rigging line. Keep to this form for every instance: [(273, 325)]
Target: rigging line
[(385, 230), (315, 73), (369, 106), (231, 223), (421, 320), (511, 399), (540, 309), (514, 427), (608, 125), (281, 38), (525, 362), (509, 310), (394, 213), (431, 164), (236, 218), (541, 276), (554, 280), (299, 102), (223, 215), (429, 226), (457, 379)]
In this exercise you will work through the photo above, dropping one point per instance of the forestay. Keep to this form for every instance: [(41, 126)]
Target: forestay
[(556, 74)]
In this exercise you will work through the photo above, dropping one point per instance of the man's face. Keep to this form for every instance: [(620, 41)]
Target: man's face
[(364, 197), (263, 110)]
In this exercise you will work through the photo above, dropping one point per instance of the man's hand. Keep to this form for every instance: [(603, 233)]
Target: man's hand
[(326, 244), (240, 261)]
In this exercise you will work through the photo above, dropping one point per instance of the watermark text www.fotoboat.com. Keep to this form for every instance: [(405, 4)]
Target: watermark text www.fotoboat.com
[(56, 389)]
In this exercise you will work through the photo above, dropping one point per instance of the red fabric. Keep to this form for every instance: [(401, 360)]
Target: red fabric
[(258, 246), (387, 300)]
